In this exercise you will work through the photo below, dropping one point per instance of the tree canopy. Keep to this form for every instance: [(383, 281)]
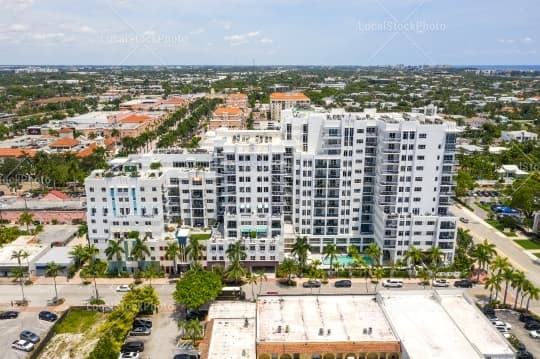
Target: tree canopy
[(197, 288)]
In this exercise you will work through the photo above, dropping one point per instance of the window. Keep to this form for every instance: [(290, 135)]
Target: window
[(422, 135)]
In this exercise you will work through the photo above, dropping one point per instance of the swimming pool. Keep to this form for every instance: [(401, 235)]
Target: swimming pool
[(345, 260)]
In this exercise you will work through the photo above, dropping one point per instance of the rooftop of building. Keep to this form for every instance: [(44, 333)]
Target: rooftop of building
[(59, 255), (441, 325), (237, 96), (17, 152), (233, 330), (29, 244), (64, 142), (230, 111), (321, 318), (288, 96)]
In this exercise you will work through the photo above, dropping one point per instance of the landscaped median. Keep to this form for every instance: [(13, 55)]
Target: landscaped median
[(528, 244)]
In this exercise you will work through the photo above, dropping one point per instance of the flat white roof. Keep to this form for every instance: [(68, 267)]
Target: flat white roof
[(475, 325), (26, 243), (343, 318), (60, 255), (231, 338), (427, 330)]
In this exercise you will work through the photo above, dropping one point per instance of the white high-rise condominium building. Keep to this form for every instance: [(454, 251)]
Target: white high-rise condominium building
[(334, 177)]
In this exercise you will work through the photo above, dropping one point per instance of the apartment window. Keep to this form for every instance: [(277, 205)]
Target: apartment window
[(421, 147), (422, 135), (91, 189)]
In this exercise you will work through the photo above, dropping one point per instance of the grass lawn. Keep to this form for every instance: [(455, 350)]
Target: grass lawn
[(510, 234), (78, 321), (537, 254), (200, 236), (528, 244), (495, 223)]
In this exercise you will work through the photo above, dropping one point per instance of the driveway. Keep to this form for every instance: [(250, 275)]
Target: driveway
[(10, 329), (518, 329)]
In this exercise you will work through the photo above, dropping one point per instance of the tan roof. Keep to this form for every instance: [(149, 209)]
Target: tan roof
[(227, 111), (64, 142), (237, 96), (289, 96), (175, 101), (87, 151)]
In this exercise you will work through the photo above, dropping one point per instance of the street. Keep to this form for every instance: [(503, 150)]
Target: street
[(506, 247)]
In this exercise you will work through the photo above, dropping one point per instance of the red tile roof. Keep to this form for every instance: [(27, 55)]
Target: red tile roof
[(135, 119), (57, 194), (87, 151), (231, 111)]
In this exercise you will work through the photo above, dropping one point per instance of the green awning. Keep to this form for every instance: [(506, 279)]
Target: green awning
[(261, 229), (245, 229)]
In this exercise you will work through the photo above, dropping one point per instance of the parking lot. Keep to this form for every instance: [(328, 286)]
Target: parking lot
[(10, 329), (161, 343), (533, 345)]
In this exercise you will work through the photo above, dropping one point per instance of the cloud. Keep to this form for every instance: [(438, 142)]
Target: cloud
[(198, 31), (15, 4), (18, 28), (527, 40), (85, 29), (48, 35), (266, 40), (240, 39)]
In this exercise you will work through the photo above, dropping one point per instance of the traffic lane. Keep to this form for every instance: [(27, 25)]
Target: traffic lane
[(518, 329), (11, 328)]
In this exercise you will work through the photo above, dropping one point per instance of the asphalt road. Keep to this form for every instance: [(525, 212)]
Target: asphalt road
[(480, 230)]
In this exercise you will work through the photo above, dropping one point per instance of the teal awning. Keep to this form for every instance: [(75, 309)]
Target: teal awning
[(245, 229), (261, 229)]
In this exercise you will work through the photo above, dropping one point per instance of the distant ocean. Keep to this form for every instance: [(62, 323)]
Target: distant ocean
[(501, 67)]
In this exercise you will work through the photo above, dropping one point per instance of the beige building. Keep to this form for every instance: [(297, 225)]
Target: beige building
[(231, 117), (239, 100), (280, 101)]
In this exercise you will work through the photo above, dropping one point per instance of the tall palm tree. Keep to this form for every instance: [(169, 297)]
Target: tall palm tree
[(493, 283), (151, 272), (507, 276), (18, 273), (288, 266), (27, 219), (374, 253), (194, 250), (498, 264), (378, 273), (52, 271), (413, 256), (330, 252), (235, 254), (524, 289), (115, 250), (139, 251), (435, 256), (173, 252), (79, 254), (483, 254), (300, 249), (252, 279), (533, 292), (517, 283), (262, 277), (83, 231)]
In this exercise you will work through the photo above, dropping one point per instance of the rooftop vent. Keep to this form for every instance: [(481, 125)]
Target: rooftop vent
[(321, 331)]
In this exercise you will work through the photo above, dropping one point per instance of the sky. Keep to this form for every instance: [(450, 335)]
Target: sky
[(269, 32)]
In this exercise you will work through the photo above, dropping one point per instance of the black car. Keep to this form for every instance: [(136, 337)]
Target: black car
[(30, 336), (135, 346), (532, 325), (488, 311), (464, 283), (48, 316), (524, 317), (186, 356), (9, 314), (523, 354), (345, 283), (192, 314), (311, 284), (139, 322)]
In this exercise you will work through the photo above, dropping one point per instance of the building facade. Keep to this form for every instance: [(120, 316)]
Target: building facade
[(280, 101), (334, 177)]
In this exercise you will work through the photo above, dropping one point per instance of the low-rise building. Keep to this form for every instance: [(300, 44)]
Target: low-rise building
[(239, 100), (520, 136)]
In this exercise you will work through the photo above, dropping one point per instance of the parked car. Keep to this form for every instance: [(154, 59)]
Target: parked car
[(441, 283), (345, 283), (501, 324), (312, 283), (463, 283), (532, 325), (392, 283), (29, 336), (534, 334), (524, 317), (48, 316), (136, 331), (487, 310), (23, 345), (129, 355), (140, 322), (464, 220), (9, 314), (186, 356), (134, 346), (195, 314), (523, 354), (123, 288)]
